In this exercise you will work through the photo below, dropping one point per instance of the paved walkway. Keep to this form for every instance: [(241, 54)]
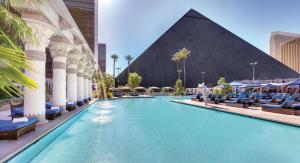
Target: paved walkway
[(10, 147), (254, 112)]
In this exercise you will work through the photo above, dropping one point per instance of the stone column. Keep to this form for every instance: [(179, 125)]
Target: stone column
[(90, 87), (80, 89), (86, 85), (59, 48), (72, 80), (34, 99)]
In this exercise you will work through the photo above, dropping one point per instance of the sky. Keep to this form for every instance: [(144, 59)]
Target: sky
[(131, 26)]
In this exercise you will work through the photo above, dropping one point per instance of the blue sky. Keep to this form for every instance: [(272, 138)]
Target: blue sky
[(131, 26)]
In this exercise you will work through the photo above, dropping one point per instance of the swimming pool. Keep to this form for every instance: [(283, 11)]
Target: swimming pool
[(156, 130)]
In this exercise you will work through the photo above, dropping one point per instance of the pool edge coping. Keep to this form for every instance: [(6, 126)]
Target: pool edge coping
[(8, 157), (239, 114)]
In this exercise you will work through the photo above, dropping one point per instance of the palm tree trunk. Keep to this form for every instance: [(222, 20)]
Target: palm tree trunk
[(184, 73), (177, 69), (128, 69), (114, 68)]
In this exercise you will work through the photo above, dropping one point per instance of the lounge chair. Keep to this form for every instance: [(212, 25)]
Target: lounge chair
[(80, 102), (241, 102), (51, 114), (283, 107), (199, 97), (70, 106), (86, 101), (10, 130)]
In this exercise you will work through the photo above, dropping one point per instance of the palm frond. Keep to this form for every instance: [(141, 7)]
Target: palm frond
[(12, 61)]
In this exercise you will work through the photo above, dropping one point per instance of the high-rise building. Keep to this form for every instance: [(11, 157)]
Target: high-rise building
[(215, 52), (85, 14), (285, 47), (102, 57)]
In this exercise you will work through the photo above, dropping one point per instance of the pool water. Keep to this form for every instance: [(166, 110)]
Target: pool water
[(158, 131)]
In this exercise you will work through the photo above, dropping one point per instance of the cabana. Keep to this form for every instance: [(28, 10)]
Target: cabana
[(116, 92), (154, 90), (140, 90), (125, 89), (167, 90)]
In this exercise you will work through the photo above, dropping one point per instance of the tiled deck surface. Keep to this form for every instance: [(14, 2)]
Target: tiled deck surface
[(254, 112), (10, 147)]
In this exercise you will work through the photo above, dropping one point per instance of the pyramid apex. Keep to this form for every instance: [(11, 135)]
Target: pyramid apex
[(195, 14)]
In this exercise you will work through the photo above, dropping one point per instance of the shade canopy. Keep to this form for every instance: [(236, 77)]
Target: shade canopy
[(140, 89), (251, 86), (168, 88), (236, 84), (294, 83)]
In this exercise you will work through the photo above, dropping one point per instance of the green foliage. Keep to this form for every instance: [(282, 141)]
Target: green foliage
[(103, 82), (114, 57), (178, 88), (128, 58), (134, 80), (182, 54), (226, 87), (13, 60)]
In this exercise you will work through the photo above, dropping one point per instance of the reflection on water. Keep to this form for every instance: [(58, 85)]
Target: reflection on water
[(102, 112), (102, 120), (106, 104)]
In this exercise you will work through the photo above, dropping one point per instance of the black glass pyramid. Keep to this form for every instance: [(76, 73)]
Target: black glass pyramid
[(215, 51)]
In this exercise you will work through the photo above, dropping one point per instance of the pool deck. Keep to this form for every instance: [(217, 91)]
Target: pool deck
[(8, 148), (253, 112)]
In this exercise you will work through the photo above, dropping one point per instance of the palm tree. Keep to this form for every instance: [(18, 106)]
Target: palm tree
[(129, 58), (13, 60), (115, 58), (184, 53), (176, 58)]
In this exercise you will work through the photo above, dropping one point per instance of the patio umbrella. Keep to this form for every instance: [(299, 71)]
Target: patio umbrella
[(295, 83), (251, 86), (236, 84)]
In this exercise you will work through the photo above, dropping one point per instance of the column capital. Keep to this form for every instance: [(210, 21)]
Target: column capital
[(59, 46), (42, 31)]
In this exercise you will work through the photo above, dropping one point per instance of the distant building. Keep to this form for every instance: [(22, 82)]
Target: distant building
[(285, 47), (102, 57), (85, 14), (215, 51)]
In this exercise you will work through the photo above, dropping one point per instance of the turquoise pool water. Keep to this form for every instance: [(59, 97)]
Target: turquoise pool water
[(156, 130)]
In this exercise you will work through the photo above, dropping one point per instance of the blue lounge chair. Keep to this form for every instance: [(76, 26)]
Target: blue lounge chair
[(70, 106), (242, 101), (280, 108), (10, 130), (80, 102), (51, 114)]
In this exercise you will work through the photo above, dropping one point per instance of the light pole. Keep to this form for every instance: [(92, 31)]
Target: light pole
[(253, 69), (179, 71), (202, 74), (118, 68)]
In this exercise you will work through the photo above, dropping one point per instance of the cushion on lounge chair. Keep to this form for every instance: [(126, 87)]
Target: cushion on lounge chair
[(53, 111), (70, 103), (20, 119), (54, 108), (7, 125), (270, 106)]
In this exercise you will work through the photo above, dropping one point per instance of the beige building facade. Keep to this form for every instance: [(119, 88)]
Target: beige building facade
[(285, 47)]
